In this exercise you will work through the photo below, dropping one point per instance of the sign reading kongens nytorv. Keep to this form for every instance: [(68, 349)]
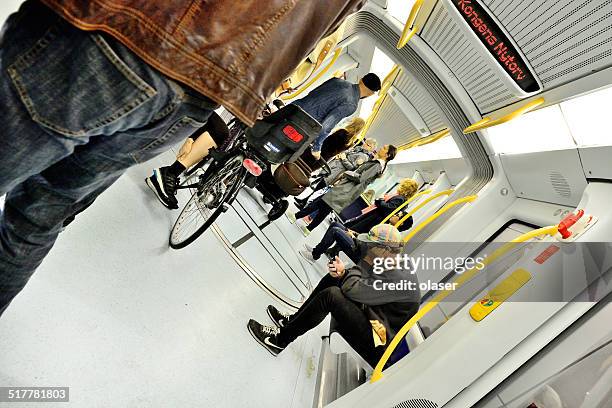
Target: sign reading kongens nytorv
[(497, 43)]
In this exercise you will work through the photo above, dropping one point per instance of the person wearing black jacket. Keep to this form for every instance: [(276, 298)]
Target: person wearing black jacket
[(335, 144), (382, 207), (344, 235), (367, 312)]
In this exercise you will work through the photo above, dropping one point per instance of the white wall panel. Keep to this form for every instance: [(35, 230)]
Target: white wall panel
[(554, 176)]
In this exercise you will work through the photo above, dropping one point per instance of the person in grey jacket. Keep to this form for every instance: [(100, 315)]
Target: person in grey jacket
[(351, 159), (348, 161), (368, 311), (347, 188)]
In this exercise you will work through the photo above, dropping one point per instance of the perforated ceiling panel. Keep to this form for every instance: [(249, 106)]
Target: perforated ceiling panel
[(421, 100), (562, 39), (391, 125), (479, 79)]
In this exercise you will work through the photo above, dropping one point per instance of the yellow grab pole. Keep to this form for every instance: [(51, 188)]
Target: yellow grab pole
[(315, 78), (431, 218), (464, 277), (404, 204), (421, 205), (487, 122), (409, 31)]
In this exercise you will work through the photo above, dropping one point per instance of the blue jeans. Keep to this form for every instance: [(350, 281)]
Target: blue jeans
[(337, 233), (78, 109)]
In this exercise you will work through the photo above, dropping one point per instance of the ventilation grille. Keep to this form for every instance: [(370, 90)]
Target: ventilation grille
[(482, 82), (391, 125), (562, 39), (451, 112), (560, 184), (417, 403), (422, 102)]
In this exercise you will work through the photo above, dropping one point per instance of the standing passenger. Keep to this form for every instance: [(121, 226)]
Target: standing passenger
[(347, 188), (91, 88), (334, 100)]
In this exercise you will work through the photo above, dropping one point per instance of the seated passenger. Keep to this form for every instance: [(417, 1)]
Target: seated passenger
[(164, 180), (348, 161), (344, 236), (348, 187), (368, 314), (382, 207), (334, 100)]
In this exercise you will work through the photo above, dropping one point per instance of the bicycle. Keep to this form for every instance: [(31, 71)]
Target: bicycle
[(279, 138)]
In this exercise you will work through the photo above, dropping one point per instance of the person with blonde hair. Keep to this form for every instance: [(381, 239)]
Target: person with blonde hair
[(342, 237), (407, 188), (347, 160), (337, 143)]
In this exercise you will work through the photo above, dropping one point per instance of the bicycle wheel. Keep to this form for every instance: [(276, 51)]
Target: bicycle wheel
[(192, 175), (218, 188)]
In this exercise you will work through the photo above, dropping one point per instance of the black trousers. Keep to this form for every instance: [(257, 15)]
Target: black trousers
[(320, 207), (354, 325), (316, 186)]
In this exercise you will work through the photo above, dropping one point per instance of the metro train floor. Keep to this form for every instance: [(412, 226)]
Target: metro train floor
[(124, 321)]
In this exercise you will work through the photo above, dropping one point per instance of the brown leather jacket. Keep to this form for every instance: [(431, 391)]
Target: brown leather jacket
[(235, 52)]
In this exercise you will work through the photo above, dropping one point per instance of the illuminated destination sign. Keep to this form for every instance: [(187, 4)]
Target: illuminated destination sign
[(498, 44)]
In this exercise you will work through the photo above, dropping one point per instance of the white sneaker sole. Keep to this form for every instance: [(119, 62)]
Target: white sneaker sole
[(272, 318), (159, 198)]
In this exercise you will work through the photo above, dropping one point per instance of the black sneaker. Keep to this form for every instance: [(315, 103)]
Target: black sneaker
[(279, 318), (266, 336), (299, 203), (164, 185), (332, 253)]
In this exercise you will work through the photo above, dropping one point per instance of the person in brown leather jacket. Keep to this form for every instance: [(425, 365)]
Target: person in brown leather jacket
[(90, 88)]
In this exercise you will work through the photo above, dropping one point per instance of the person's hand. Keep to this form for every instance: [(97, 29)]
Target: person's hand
[(342, 156), (352, 233), (316, 155), (336, 268)]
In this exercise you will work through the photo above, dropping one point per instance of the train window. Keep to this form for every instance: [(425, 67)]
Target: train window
[(537, 131), (587, 118), (445, 148), (381, 66), (400, 9)]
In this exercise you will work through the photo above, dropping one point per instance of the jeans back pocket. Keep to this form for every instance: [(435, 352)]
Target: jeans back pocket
[(73, 83)]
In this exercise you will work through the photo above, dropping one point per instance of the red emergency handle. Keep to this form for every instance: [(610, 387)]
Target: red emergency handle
[(567, 222)]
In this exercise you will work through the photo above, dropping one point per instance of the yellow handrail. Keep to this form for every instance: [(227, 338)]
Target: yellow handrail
[(405, 203), (415, 230), (464, 277), (421, 205), (487, 122), (426, 140), (387, 82), (434, 138), (409, 31), (337, 53)]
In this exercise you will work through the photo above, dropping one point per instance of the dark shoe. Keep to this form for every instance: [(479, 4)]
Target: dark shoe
[(164, 184), (299, 203), (332, 253), (266, 336), (279, 318)]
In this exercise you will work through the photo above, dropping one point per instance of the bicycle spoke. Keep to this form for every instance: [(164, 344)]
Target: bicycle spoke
[(204, 205)]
